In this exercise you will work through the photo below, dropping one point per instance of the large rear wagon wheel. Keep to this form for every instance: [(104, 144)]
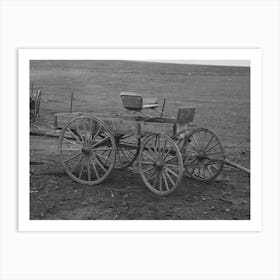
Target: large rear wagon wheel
[(87, 150), (160, 164), (203, 154)]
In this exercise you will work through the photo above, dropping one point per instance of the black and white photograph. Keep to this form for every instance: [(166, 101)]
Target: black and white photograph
[(139, 140)]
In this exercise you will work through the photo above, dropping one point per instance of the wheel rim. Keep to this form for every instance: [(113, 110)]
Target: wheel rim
[(160, 164), (87, 150), (128, 147), (203, 154)]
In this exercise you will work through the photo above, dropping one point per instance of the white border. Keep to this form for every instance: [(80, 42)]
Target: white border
[(254, 55)]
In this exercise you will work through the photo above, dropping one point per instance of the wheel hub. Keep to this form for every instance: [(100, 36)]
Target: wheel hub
[(201, 155), (86, 150), (159, 163)]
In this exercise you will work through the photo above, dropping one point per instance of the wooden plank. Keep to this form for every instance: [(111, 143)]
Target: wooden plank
[(119, 125), (122, 126), (116, 124), (156, 127), (236, 165), (60, 120)]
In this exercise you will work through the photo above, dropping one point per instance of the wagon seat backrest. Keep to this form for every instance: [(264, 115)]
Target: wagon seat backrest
[(185, 116), (136, 102)]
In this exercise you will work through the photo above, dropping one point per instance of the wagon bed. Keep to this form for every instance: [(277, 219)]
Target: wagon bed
[(136, 125)]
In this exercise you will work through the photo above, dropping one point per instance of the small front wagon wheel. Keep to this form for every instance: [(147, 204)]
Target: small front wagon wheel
[(160, 164), (87, 150)]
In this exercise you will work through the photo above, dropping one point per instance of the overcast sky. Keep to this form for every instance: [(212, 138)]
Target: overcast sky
[(209, 62)]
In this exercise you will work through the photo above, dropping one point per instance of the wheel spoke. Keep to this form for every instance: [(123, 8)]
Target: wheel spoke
[(152, 175), (118, 156), (71, 142), (90, 131), (168, 160), (73, 157), (155, 145), (94, 168), (88, 168), (214, 166), (192, 162), (79, 131), (133, 153), (190, 148), (164, 146), (212, 147), (68, 149), (165, 180), (75, 135), (156, 179), (208, 143), (147, 162), (193, 147), (77, 163), (149, 156), (101, 156), (124, 154), (160, 182), (101, 142), (82, 168), (100, 163), (171, 165), (170, 179), (152, 152), (96, 134), (204, 173), (171, 171), (168, 152), (195, 140), (149, 169), (85, 131), (209, 170)]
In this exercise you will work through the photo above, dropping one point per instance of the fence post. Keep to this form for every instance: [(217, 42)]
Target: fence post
[(71, 104)]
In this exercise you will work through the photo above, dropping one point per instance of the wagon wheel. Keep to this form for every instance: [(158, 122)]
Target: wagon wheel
[(37, 103), (128, 147), (87, 150), (160, 164), (203, 154)]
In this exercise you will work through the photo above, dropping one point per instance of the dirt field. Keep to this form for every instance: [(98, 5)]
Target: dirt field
[(222, 98)]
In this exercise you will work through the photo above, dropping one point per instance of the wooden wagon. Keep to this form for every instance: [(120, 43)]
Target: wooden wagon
[(91, 145)]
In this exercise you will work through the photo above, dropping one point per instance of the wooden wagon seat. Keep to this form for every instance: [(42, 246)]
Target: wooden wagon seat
[(135, 101)]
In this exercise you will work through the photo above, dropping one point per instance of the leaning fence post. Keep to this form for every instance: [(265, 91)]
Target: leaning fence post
[(162, 109)]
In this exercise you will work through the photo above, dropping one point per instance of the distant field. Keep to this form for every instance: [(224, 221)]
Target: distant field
[(220, 93)]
